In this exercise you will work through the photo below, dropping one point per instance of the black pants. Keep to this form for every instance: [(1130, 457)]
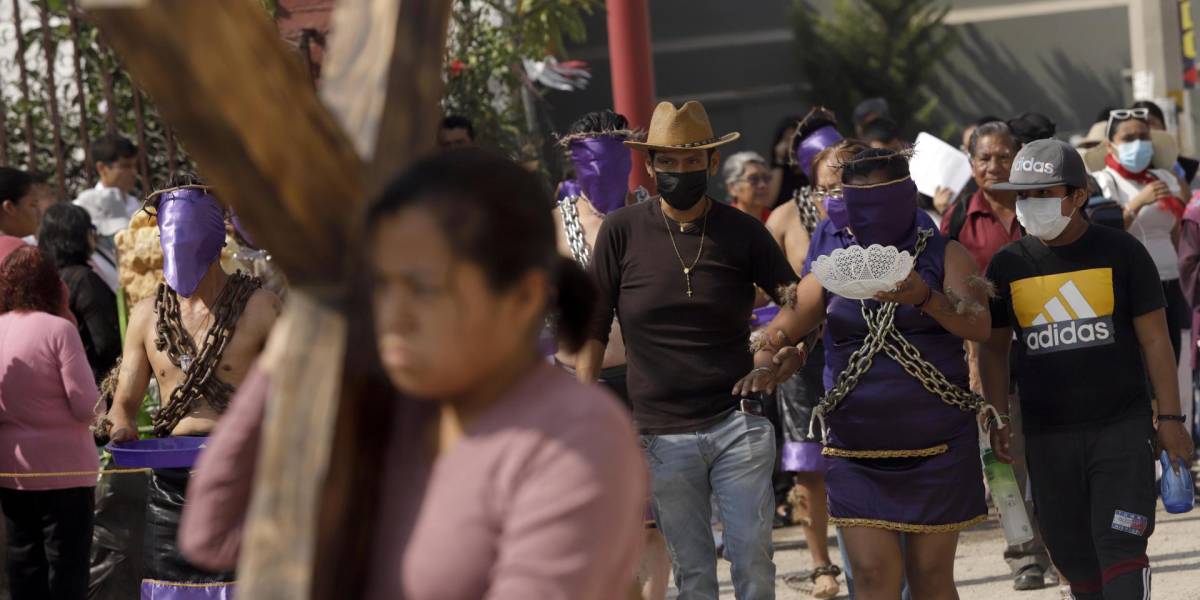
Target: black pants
[(162, 560), (1094, 493), (49, 539)]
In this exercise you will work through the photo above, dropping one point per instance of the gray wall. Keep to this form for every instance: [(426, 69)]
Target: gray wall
[(740, 63), (1067, 67)]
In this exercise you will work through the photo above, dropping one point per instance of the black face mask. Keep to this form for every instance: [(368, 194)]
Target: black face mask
[(682, 190)]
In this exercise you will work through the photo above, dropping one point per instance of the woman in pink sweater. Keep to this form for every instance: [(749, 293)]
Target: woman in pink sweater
[(502, 478), (47, 400)]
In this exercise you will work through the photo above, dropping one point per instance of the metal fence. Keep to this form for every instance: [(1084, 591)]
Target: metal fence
[(61, 87)]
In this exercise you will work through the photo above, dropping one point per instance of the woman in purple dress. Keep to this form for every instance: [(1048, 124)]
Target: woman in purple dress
[(901, 458)]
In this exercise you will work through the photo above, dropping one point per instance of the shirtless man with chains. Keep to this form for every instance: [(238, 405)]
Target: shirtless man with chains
[(198, 337)]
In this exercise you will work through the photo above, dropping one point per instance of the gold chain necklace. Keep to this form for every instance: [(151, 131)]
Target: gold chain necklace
[(687, 271)]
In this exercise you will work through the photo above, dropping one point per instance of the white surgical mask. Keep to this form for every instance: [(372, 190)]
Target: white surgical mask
[(1042, 217)]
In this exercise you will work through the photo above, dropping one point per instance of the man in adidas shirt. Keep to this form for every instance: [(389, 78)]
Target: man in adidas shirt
[(1086, 305)]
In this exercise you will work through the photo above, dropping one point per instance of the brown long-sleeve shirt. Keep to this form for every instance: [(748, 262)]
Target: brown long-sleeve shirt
[(684, 353)]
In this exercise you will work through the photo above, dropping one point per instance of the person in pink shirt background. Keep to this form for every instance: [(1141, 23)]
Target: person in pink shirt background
[(48, 399), (502, 477)]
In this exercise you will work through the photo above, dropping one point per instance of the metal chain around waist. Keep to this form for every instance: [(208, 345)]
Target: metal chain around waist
[(882, 335), (569, 208), (809, 214)]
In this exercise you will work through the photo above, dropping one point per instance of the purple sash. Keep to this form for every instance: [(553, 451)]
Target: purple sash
[(163, 590)]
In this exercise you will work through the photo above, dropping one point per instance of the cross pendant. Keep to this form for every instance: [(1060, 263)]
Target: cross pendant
[(687, 275)]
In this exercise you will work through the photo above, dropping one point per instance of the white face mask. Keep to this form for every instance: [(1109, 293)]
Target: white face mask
[(1042, 217)]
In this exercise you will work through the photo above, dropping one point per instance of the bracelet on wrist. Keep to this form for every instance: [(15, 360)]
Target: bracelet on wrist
[(928, 297), (1176, 418)]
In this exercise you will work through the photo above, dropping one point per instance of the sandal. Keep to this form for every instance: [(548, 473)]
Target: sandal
[(825, 591), (799, 506)]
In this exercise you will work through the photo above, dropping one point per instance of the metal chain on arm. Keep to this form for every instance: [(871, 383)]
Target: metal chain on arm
[(882, 335), (574, 230)]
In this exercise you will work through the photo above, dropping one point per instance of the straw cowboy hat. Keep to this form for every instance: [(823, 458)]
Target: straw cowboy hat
[(686, 128), (1166, 149)]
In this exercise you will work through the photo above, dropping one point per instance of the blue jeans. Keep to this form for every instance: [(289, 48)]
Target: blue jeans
[(731, 462)]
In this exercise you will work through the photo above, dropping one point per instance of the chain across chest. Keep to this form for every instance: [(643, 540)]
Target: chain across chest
[(198, 366), (573, 228), (883, 336)]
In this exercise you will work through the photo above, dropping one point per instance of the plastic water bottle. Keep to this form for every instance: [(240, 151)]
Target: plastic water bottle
[(1006, 494), (1178, 495)]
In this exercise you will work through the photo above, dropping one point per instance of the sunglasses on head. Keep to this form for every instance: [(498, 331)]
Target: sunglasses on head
[(1124, 114)]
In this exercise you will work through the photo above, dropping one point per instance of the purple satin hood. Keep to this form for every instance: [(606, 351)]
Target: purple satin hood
[(884, 213), (602, 166), (808, 148), (191, 225)]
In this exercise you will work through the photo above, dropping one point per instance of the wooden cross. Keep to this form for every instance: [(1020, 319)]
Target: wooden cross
[(298, 170)]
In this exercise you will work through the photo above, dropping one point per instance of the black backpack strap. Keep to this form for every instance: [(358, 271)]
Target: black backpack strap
[(958, 217)]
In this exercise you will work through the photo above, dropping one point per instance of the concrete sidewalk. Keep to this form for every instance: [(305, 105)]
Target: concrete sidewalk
[(982, 574)]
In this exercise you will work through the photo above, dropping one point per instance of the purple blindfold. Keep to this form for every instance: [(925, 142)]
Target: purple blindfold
[(884, 214), (835, 209), (808, 148), (602, 166), (191, 225)]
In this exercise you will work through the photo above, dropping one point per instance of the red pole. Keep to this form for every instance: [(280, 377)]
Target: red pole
[(632, 72)]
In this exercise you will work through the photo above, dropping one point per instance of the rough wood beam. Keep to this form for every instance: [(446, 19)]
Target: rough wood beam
[(240, 102), (373, 80)]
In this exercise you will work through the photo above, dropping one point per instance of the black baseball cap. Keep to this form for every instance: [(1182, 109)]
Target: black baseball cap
[(871, 106), (1045, 163)]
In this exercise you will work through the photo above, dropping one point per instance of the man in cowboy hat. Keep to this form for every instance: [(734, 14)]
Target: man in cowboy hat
[(681, 272)]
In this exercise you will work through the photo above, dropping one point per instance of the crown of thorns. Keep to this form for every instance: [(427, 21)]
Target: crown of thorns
[(635, 135), (816, 112), (150, 204), (906, 154)]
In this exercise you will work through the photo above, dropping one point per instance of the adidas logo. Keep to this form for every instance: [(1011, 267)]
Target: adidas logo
[(1067, 321), (1036, 166)]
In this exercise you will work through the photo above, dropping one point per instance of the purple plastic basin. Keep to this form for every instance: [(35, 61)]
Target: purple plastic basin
[(763, 315), (158, 453)]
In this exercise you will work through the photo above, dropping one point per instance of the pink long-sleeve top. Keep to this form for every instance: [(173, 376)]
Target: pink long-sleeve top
[(48, 398), (543, 497), (218, 495)]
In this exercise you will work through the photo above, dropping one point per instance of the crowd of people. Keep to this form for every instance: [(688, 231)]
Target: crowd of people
[(1050, 313)]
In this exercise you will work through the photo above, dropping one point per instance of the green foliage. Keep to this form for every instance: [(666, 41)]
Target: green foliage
[(95, 60), (483, 68), (870, 48)]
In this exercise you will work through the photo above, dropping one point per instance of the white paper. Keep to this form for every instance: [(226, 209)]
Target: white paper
[(937, 164), (1143, 85)]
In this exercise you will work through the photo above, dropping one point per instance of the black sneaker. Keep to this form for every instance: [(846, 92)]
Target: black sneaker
[(1029, 578)]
